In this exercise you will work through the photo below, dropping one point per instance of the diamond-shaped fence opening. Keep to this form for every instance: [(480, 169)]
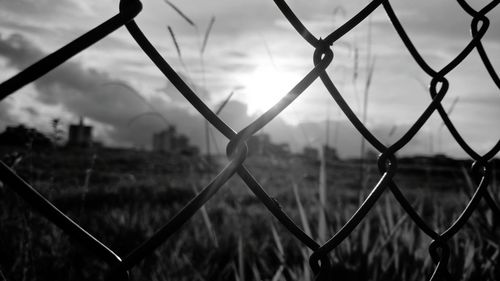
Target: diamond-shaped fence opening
[(450, 254)]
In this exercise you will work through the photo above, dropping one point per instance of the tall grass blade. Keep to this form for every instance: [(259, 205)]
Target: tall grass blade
[(241, 259), (389, 213), (397, 257), (489, 217), (2, 277), (355, 72), (450, 110), (393, 232), (302, 212), (277, 241), (365, 237), (370, 70), (198, 274), (306, 273), (393, 130), (322, 228), (207, 35), (224, 103), (382, 223), (278, 274), (256, 272), (268, 51), (306, 226), (494, 176), (236, 272), (172, 34), (469, 187), (469, 254), (207, 221), (180, 13), (368, 83), (355, 76), (86, 183)]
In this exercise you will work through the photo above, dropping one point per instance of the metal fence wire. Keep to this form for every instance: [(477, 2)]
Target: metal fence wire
[(323, 56)]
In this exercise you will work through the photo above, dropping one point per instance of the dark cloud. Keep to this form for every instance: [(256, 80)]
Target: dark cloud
[(93, 94), (19, 52), (85, 92)]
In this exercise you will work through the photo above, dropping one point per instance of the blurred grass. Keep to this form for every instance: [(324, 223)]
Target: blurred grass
[(129, 194)]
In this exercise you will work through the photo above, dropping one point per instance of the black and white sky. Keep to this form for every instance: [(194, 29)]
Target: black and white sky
[(254, 52)]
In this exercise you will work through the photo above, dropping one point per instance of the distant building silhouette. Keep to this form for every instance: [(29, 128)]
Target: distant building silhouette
[(257, 144), (261, 145), (23, 136), (80, 135), (168, 141), (310, 152), (330, 153)]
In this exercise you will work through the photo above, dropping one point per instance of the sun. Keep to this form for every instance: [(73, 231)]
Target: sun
[(265, 86)]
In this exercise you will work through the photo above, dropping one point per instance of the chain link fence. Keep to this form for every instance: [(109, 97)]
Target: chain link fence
[(323, 56)]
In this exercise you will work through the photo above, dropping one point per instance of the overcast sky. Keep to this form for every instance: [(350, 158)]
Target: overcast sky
[(253, 51)]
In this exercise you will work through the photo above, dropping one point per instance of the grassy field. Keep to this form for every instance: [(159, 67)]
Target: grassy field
[(122, 197)]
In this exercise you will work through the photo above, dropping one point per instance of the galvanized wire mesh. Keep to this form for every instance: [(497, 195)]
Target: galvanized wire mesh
[(237, 148)]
